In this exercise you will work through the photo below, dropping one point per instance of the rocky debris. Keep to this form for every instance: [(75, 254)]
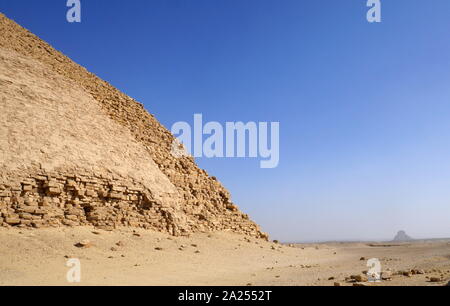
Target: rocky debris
[(411, 272), (84, 244), (362, 259), (159, 249), (386, 275), (406, 273), (360, 285), (435, 279), (337, 284), (120, 244), (417, 272), (448, 284), (360, 278), (357, 278), (308, 266)]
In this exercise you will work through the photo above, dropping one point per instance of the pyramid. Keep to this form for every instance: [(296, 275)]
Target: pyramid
[(75, 151), (402, 237)]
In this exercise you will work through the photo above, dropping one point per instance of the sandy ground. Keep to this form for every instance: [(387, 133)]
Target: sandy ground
[(125, 257)]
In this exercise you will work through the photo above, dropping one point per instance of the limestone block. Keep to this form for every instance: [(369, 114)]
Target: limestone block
[(27, 188), (12, 221), (91, 193), (53, 191)]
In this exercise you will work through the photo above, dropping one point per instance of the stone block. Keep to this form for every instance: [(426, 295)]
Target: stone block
[(27, 188), (91, 193), (119, 189), (52, 184), (72, 183), (12, 221), (53, 191), (5, 194), (26, 215), (115, 195)]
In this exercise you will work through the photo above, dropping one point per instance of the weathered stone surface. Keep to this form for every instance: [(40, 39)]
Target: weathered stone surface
[(94, 155)]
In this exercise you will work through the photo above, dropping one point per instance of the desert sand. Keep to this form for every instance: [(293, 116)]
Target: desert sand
[(142, 257)]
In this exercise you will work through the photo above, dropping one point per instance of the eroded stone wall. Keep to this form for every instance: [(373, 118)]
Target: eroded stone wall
[(38, 198)]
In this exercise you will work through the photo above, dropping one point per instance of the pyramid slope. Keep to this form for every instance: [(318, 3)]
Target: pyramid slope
[(81, 152)]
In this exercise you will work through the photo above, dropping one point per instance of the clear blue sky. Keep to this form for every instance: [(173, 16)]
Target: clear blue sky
[(364, 108)]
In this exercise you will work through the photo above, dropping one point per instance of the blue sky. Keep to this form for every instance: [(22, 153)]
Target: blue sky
[(363, 108)]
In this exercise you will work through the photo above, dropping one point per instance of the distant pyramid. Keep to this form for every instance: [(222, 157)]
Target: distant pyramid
[(76, 151), (402, 237)]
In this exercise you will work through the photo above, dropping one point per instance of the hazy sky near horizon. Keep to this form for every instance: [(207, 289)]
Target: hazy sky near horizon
[(364, 109)]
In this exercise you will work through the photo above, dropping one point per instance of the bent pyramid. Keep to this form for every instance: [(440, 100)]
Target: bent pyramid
[(76, 151)]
